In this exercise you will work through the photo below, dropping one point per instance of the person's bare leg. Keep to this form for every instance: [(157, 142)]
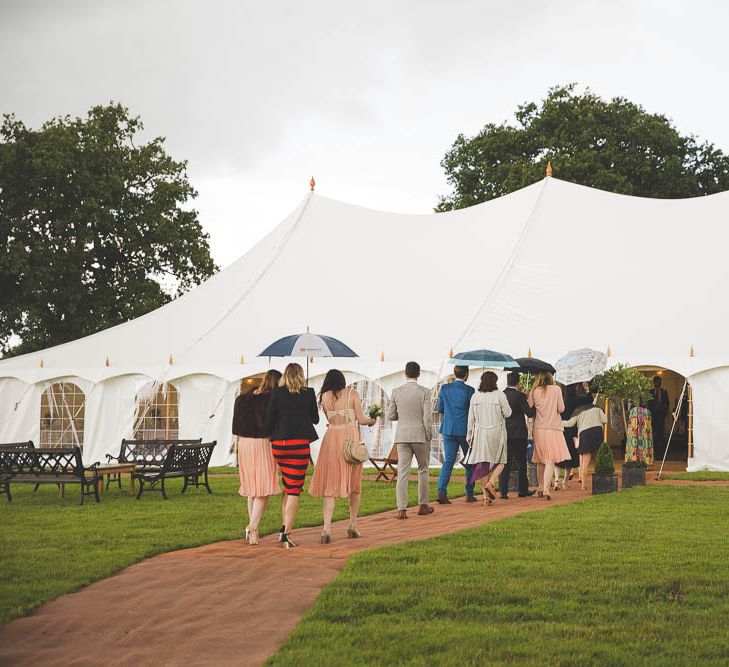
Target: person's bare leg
[(494, 476), (548, 474), (329, 504), (292, 507), (354, 501), (258, 507), (284, 496), (540, 474), (584, 467)]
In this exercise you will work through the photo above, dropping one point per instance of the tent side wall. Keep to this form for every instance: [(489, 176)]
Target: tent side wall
[(710, 398)]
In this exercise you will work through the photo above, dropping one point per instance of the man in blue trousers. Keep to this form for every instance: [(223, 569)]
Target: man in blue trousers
[(453, 404)]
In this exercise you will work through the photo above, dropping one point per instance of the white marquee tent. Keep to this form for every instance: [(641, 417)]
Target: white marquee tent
[(551, 267)]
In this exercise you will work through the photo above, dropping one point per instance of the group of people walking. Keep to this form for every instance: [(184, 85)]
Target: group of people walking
[(275, 426)]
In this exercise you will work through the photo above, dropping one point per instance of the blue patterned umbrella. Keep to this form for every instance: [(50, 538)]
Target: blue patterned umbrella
[(483, 358)]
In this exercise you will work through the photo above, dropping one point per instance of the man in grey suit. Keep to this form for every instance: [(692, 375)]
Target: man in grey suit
[(411, 407)]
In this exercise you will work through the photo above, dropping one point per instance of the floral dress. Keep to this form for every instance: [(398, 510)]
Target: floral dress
[(639, 443)]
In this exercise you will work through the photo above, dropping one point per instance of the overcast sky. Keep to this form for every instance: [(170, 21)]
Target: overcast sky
[(365, 96)]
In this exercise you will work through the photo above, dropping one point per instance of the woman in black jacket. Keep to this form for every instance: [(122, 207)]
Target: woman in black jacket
[(256, 465), (290, 418)]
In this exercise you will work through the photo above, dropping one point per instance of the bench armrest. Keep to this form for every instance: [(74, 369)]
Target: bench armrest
[(93, 466), (111, 458)]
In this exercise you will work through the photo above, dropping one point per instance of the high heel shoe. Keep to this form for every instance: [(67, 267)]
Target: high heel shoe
[(281, 533), (540, 494), (487, 490), (547, 497), (326, 538), (353, 532), (252, 536), (286, 541)]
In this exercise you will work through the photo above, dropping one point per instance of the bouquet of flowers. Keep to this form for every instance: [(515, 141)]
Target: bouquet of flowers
[(375, 411)]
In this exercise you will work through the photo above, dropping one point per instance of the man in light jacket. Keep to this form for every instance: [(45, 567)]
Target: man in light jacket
[(410, 407)]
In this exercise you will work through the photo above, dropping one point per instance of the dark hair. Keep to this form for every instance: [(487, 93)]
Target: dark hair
[(488, 382), (270, 380), (412, 370), (571, 389), (461, 372), (333, 381), (512, 379)]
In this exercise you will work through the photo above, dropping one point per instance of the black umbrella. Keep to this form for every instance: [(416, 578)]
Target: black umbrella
[(533, 365)]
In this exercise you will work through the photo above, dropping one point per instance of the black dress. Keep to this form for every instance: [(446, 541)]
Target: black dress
[(570, 403)]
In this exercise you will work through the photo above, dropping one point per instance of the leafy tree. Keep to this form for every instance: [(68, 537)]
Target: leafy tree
[(612, 145), (92, 222), (623, 384)]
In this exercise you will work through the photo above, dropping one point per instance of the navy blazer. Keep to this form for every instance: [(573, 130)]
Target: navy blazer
[(453, 402)]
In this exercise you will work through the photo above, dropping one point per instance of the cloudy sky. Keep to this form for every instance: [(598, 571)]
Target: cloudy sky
[(366, 96)]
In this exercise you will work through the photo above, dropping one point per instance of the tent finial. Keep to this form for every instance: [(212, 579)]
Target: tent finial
[(450, 353), (609, 352), (242, 359), (312, 184), (382, 356), (549, 167), (107, 363), (692, 352), (42, 364), (170, 360), (529, 353)]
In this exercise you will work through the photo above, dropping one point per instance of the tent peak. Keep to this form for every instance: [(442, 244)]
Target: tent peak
[(312, 184), (549, 169)]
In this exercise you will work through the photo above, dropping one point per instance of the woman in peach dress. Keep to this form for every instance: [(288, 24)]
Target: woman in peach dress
[(550, 447), (333, 477), (256, 465)]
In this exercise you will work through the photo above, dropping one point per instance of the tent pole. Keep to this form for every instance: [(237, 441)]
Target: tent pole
[(690, 422), (673, 426)]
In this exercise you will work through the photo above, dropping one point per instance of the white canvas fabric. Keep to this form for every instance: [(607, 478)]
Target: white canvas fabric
[(552, 267)]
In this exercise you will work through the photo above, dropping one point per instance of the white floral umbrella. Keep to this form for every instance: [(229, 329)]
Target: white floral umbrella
[(580, 366)]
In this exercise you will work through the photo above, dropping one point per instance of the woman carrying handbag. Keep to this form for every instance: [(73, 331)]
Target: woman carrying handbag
[(334, 477)]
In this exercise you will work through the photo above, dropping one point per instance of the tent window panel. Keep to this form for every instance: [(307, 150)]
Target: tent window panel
[(436, 442), (157, 412), (379, 437), (63, 407)]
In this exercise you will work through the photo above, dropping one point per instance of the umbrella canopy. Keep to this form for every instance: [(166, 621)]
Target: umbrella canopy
[(483, 358), (532, 365), (580, 365), (308, 345)]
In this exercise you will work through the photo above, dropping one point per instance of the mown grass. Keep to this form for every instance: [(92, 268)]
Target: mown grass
[(50, 546), (641, 577), (699, 476)]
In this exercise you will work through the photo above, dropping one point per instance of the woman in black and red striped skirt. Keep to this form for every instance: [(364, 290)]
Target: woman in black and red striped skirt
[(290, 417)]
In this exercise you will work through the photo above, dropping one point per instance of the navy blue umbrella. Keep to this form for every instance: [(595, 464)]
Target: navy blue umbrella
[(532, 365), (483, 358), (308, 345)]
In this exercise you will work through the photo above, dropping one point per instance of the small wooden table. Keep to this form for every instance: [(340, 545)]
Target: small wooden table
[(114, 469)]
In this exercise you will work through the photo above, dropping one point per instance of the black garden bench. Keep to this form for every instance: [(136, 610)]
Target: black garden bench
[(189, 461), (61, 466), (144, 454)]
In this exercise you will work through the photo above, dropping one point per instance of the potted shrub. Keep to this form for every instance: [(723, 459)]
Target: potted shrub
[(629, 387), (604, 479)]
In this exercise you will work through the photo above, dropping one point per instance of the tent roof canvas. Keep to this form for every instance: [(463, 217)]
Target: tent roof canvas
[(551, 267)]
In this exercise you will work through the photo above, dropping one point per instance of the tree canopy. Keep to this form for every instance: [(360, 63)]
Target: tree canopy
[(613, 145), (93, 223)]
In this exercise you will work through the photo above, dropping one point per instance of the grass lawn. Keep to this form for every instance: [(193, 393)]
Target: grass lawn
[(641, 577), (51, 546), (699, 476)]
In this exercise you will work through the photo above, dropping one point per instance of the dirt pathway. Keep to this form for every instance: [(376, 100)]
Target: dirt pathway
[(222, 604)]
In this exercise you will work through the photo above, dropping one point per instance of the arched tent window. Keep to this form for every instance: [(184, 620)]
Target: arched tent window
[(378, 438), (157, 412), (63, 407)]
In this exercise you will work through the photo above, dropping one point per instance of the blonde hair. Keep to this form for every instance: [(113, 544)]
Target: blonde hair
[(270, 380), (293, 378), (543, 380)]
